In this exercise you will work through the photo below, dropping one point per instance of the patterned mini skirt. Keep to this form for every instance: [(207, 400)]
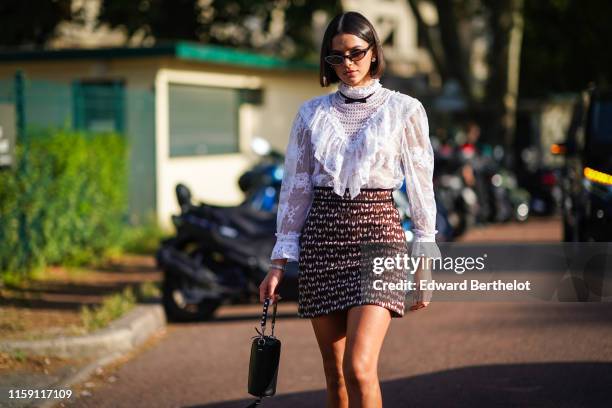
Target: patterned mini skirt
[(342, 243)]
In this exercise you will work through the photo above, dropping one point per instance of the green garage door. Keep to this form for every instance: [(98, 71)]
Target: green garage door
[(203, 120)]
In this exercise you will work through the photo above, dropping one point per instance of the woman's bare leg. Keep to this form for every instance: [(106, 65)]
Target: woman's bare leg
[(330, 331), (366, 329)]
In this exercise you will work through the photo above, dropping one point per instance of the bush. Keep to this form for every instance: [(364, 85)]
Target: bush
[(144, 238), (65, 202), (112, 307)]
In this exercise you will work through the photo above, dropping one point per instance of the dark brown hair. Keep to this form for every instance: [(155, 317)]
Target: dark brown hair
[(354, 23)]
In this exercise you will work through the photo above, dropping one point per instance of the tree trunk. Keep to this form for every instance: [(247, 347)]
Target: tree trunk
[(506, 22)]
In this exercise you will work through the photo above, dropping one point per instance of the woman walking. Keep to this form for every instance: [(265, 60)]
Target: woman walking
[(347, 152)]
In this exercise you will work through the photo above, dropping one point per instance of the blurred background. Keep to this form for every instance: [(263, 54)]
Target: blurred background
[(148, 137)]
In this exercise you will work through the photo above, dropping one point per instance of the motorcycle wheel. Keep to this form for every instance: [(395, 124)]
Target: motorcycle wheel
[(178, 310)]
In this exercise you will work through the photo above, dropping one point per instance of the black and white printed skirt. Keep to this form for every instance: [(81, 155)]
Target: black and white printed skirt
[(339, 242)]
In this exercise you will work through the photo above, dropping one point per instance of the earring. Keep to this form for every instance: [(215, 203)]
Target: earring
[(374, 59)]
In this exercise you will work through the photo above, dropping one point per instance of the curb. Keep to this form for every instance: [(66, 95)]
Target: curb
[(78, 377), (119, 337)]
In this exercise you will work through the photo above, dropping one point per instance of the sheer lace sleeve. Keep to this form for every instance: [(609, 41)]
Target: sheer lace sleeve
[(418, 164), (296, 192)]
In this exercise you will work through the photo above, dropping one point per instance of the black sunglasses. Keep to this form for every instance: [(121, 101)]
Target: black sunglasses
[(337, 59)]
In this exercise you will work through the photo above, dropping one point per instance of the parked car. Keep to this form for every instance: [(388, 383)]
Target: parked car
[(587, 172)]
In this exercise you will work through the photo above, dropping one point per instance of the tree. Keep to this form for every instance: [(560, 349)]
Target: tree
[(566, 46), (157, 19), (451, 42), (25, 24), (281, 27)]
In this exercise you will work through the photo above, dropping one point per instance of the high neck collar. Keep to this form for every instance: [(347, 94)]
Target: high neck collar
[(360, 91)]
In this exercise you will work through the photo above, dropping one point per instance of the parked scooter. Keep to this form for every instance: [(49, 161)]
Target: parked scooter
[(261, 184), (510, 201), (543, 182), (219, 255), (456, 200), (445, 230), (505, 198)]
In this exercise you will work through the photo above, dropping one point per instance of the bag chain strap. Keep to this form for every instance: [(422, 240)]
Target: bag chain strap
[(264, 317)]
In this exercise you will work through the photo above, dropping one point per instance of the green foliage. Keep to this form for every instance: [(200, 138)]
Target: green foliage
[(64, 203), (117, 305), (19, 355), (145, 238), (565, 46), (247, 24), (149, 290), (24, 25), (112, 307)]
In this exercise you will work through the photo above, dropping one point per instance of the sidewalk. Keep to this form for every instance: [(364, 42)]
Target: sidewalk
[(44, 343)]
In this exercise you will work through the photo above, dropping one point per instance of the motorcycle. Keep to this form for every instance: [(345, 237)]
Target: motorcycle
[(455, 199), (505, 198), (219, 255), (445, 229), (511, 201), (261, 184)]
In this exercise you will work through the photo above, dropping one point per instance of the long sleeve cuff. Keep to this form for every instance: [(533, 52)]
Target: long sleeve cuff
[(287, 246), (424, 244), (421, 236)]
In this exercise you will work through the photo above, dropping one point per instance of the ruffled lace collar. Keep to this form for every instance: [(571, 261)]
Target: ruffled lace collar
[(348, 160), (360, 91)]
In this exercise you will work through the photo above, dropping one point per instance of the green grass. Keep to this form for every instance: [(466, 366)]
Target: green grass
[(112, 308), (19, 355), (148, 290), (145, 238), (115, 306)]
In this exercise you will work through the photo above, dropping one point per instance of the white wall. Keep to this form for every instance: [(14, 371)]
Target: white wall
[(214, 179)]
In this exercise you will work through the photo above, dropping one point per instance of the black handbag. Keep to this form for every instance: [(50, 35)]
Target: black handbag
[(265, 358)]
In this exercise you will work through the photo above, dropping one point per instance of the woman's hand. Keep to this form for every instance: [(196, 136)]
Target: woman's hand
[(421, 296), (268, 286), (418, 305)]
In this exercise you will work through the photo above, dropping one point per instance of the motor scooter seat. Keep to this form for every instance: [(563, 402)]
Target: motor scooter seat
[(244, 218)]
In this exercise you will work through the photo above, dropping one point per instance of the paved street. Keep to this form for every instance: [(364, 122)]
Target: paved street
[(536, 229), (451, 354)]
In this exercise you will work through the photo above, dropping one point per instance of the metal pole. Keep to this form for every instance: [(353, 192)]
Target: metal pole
[(20, 104), (22, 171)]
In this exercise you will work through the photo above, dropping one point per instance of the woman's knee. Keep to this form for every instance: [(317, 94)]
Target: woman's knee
[(359, 371), (333, 373)]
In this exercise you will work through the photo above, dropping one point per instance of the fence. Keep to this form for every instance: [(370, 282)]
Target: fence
[(28, 105)]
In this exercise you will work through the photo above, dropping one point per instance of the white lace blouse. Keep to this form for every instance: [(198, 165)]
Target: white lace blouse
[(372, 144)]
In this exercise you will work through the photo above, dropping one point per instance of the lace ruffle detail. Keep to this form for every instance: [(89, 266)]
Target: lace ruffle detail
[(286, 246), (349, 160), (295, 194)]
